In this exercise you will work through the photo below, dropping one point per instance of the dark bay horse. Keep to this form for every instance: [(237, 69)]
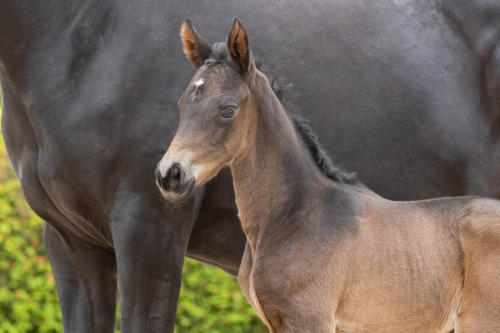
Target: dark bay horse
[(326, 256), (89, 103)]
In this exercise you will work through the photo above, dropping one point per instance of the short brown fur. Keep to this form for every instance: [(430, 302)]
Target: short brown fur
[(324, 256)]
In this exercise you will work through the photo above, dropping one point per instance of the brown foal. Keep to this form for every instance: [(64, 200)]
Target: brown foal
[(324, 255)]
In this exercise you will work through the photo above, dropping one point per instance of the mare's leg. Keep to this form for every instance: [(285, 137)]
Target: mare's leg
[(150, 244), (85, 281), (217, 237)]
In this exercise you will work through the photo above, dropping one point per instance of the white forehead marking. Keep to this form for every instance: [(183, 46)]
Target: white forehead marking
[(199, 82), (197, 87)]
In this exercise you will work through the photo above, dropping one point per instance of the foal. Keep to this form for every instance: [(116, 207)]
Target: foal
[(323, 255)]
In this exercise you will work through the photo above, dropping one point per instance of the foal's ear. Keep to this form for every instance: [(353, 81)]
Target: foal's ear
[(196, 48), (237, 45)]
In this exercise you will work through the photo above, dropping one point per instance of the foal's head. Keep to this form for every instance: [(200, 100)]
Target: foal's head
[(215, 112)]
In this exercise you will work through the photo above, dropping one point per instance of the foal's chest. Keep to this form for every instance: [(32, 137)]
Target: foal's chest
[(286, 295)]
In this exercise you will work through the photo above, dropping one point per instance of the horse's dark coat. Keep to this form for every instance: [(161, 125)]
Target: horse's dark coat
[(89, 97)]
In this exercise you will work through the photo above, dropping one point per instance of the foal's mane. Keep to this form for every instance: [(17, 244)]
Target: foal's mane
[(319, 155)]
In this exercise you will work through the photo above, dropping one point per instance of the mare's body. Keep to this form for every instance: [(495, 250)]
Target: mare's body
[(326, 255), (89, 95)]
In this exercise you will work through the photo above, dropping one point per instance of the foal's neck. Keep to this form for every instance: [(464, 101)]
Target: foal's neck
[(275, 170)]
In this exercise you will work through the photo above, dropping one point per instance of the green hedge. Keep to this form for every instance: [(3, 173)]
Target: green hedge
[(210, 300), (28, 300)]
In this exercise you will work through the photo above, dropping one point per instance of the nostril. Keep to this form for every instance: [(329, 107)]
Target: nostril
[(175, 172), (161, 181), (173, 179)]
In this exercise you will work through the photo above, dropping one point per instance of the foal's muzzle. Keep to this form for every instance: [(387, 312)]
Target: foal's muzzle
[(174, 185)]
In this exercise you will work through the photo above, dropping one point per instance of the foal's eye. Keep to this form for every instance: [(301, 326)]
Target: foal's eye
[(227, 111)]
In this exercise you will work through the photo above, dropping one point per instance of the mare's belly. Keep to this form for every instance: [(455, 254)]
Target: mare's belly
[(73, 197)]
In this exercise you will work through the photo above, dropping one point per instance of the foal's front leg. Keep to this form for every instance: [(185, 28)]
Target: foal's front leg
[(245, 282), (277, 324), (306, 326)]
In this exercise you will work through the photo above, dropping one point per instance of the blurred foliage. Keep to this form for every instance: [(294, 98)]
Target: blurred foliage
[(28, 300), (210, 300)]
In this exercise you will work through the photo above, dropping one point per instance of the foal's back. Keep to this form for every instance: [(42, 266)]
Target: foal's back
[(416, 266)]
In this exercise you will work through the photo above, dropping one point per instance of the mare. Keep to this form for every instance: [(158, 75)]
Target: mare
[(89, 102), (326, 255)]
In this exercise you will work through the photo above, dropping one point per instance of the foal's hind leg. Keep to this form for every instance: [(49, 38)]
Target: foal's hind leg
[(476, 322), (480, 310), (480, 307)]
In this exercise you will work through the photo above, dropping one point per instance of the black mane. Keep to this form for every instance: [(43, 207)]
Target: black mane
[(320, 156)]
